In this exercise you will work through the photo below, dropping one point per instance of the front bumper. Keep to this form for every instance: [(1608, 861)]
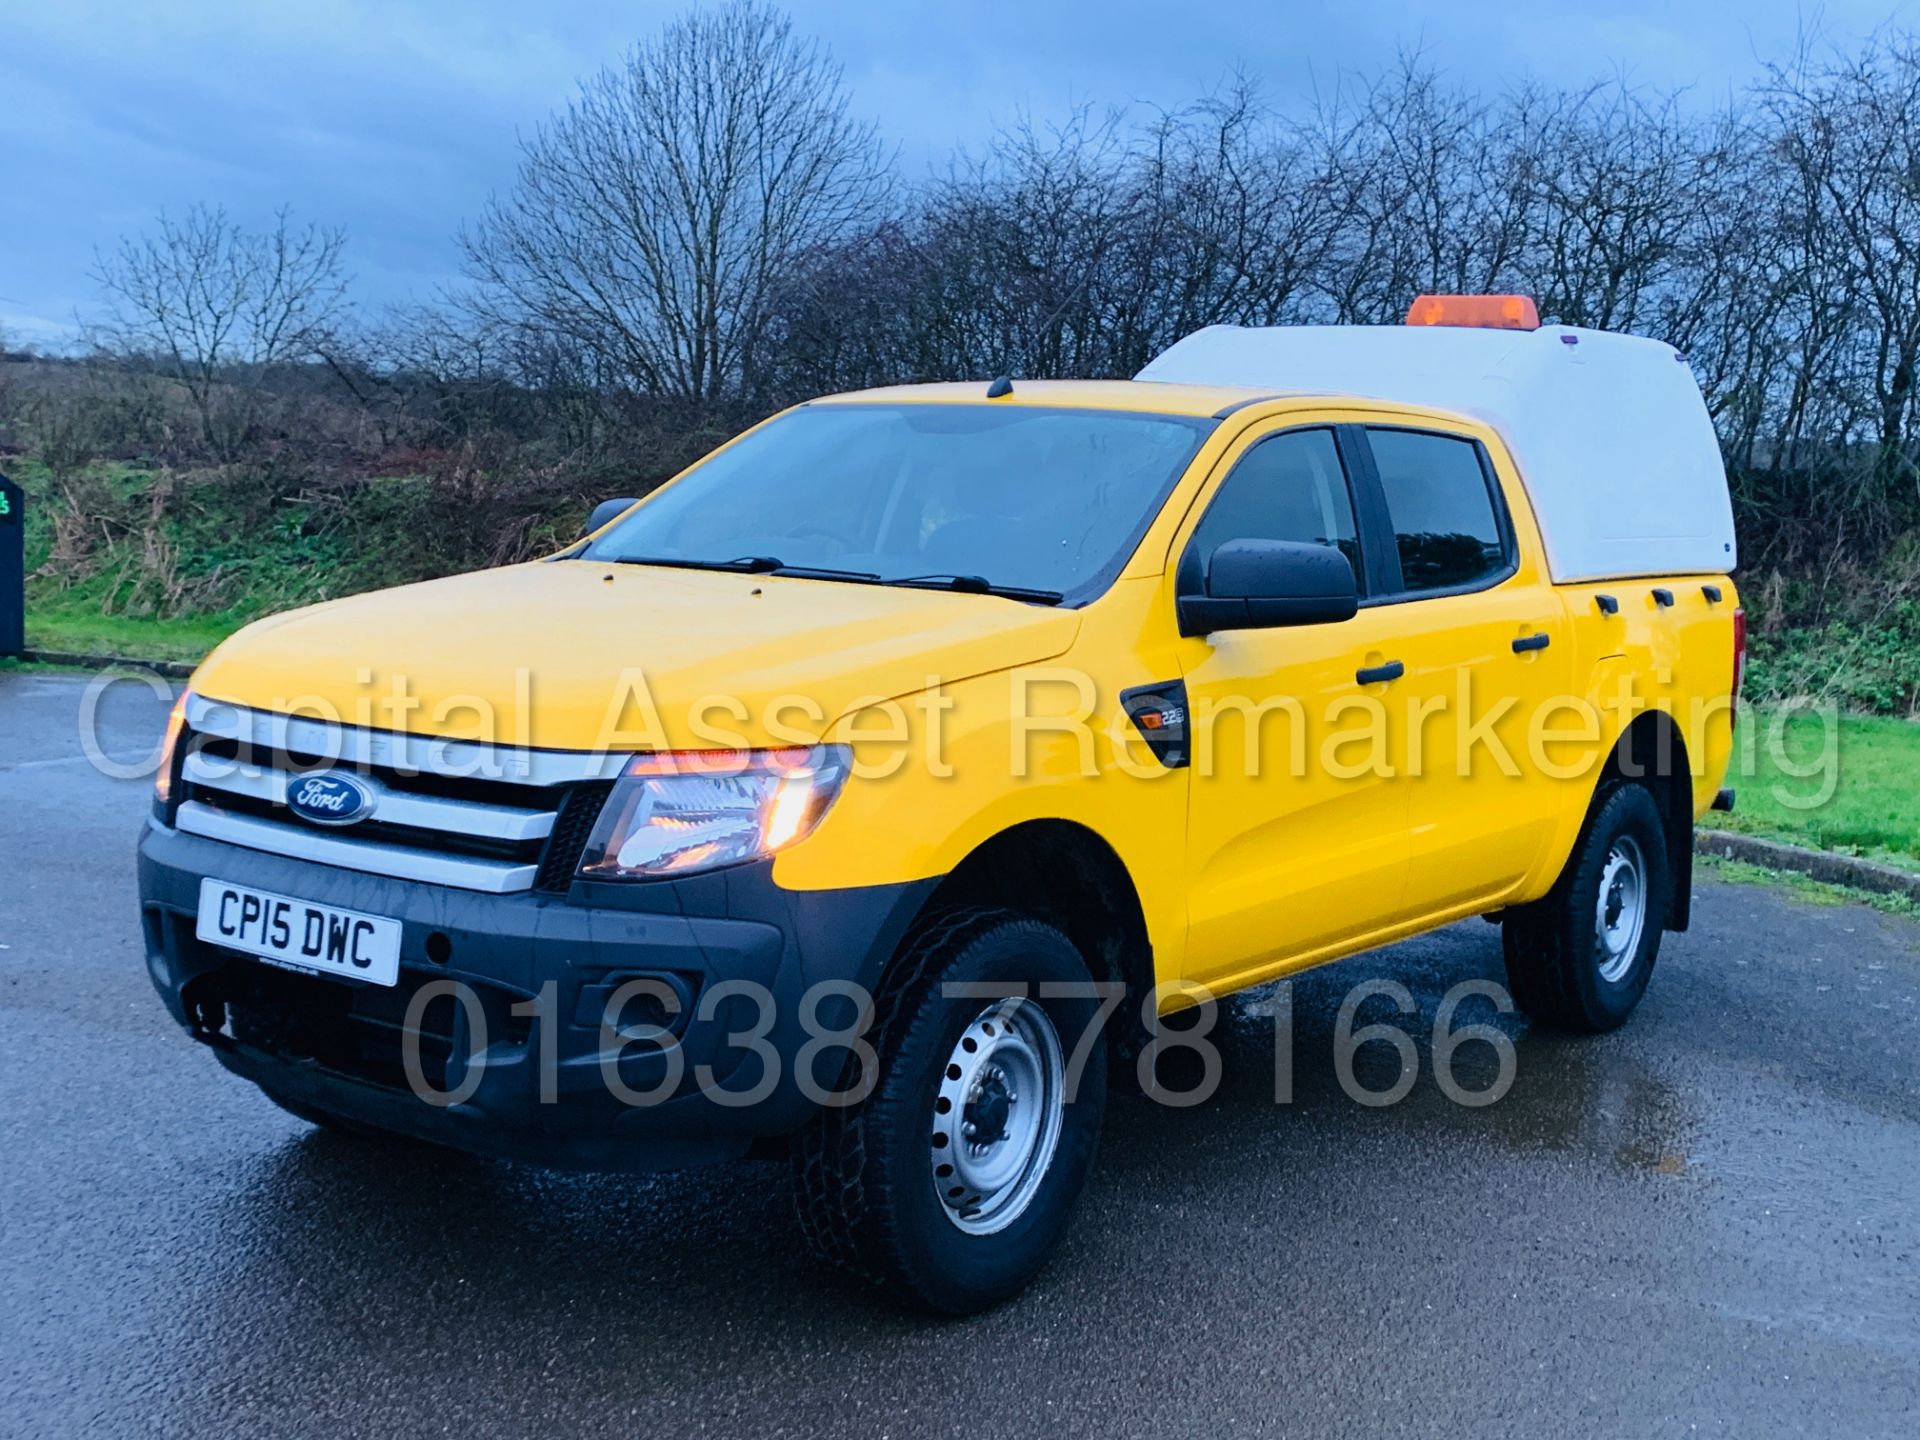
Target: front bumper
[(521, 1041)]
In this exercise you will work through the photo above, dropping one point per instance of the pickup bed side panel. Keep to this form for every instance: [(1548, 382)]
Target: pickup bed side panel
[(1648, 645)]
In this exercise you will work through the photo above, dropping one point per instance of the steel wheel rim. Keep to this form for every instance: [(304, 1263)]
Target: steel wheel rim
[(1620, 910), (997, 1116)]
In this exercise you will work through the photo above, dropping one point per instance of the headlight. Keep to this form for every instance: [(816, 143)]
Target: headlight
[(164, 777), (683, 811)]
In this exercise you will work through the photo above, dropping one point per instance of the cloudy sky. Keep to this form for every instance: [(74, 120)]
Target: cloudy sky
[(395, 118)]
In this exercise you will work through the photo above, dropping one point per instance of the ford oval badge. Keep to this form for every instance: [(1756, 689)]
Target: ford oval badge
[(330, 798)]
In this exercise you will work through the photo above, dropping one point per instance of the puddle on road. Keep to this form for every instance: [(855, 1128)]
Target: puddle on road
[(1591, 1095)]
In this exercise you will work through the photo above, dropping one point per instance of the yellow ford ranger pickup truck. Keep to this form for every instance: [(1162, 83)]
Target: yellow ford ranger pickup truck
[(869, 791)]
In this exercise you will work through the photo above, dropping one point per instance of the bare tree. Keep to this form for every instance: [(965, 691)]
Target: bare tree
[(1237, 221), (1080, 248), (655, 217), (1027, 243), (215, 307), (1609, 201), (1847, 138), (1436, 186)]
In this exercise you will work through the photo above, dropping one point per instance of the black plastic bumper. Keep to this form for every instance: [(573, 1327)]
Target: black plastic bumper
[(523, 1038)]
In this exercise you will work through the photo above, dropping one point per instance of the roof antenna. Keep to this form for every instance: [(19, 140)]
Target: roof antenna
[(1002, 386)]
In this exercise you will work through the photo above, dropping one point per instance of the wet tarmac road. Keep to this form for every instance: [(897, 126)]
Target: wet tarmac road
[(1710, 1221)]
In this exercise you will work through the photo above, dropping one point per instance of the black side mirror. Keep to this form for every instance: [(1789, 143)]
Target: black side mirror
[(604, 512), (1256, 584)]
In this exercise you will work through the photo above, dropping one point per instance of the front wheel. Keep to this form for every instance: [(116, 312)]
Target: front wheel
[(952, 1180), (1580, 958)]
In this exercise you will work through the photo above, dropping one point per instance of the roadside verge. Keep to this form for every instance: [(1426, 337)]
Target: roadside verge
[(171, 669), (1821, 865)]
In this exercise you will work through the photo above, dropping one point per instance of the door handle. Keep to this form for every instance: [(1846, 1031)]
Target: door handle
[(1375, 674), (1532, 642)]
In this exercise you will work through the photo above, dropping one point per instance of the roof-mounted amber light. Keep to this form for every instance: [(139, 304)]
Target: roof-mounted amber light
[(1483, 312)]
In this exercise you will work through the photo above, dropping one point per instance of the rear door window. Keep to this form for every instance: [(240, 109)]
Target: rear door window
[(1440, 498)]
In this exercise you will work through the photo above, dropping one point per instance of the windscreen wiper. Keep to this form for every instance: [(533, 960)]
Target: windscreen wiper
[(979, 585), (755, 565), (744, 564)]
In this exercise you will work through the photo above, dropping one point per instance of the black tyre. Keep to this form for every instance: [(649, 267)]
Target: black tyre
[(951, 1181), (1579, 959)]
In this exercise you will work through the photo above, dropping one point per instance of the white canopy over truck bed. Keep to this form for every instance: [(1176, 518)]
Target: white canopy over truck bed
[(1609, 431)]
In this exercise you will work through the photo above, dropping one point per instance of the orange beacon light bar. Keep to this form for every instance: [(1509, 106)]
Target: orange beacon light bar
[(1482, 312)]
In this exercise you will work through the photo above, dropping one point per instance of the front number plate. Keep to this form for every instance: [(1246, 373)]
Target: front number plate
[(299, 933)]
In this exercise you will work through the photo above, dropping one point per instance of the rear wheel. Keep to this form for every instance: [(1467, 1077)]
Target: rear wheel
[(1580, 958), (953, 1179)]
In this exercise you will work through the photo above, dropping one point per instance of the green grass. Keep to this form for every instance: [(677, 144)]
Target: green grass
[(1848, 783), (87, 632), (175, 561), (91, 618), (217, 560), (1817, 892)]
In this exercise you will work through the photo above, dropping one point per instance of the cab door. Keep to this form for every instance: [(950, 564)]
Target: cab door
[(1485, 644), (1286, 854)]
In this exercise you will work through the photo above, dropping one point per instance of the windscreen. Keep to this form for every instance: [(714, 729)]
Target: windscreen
[(1044, 499)]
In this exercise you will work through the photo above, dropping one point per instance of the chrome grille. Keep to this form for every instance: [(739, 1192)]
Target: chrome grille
[(446, 812)]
